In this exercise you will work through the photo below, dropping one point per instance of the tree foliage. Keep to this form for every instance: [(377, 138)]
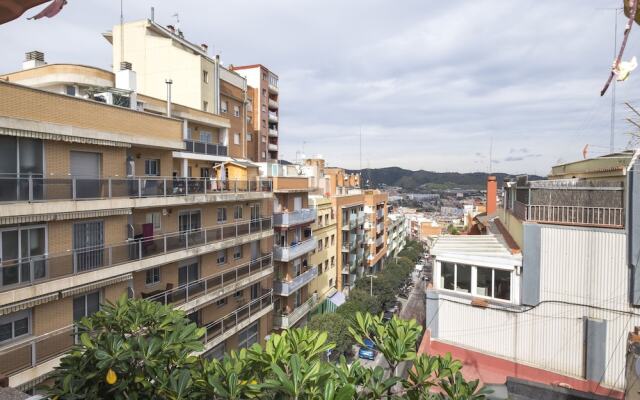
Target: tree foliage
[(337, 327)]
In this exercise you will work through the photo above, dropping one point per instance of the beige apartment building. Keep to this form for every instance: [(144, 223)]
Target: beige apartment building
[(294, 243), (376, 229), (102, 196), (325, 255)]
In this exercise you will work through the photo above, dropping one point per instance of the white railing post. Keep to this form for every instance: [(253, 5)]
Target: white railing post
[(139, 187), (73, 188), (164, 187), (30, 188)]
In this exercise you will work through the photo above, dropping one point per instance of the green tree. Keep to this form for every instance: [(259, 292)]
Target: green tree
[(337, 327)]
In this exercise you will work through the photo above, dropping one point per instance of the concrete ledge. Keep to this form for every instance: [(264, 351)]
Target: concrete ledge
[(240, 326), (67, 206), (203, 301), (31, 374), (46, 287)]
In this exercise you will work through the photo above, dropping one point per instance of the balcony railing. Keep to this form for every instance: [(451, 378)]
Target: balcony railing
[(196, 146), (284, 288), (34, 188), (230, 321), (380, 240), (286, 321), (34, 351), (297, 217), (37, 269), (273, 132), (273, 104), (611, 217), (213, 284), (273, 147), (273, 117), (288, 253), (273, 89)]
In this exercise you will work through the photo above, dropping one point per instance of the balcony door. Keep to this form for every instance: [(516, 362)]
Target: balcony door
[(20, 158), (297, 203), (189, 223), (88, 245), (85, 168), (22, 251), (255, 216), (188, 275)]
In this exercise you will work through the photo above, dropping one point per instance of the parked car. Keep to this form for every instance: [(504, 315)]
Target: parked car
[(368, 343), (367, 354)]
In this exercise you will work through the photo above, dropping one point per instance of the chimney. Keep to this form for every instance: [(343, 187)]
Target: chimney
[(126, 79), (33, 59), (204, 47), (171, 28), (492, 194)]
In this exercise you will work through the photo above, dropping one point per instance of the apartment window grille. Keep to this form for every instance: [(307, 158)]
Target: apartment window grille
[(153, 276), (152, 167), (237, 212), (88, 242), (14, 326), (236, 111), (222, 214), (223, 106), (206, 137), (70, 90)]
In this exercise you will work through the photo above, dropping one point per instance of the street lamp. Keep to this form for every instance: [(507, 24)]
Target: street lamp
[(371, 278)]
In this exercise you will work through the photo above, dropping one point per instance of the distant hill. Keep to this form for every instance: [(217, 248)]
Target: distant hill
[(429, 180)]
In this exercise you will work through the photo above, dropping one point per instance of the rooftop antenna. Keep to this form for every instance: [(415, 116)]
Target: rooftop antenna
[(360, 148), (121, 32), (491, 155), (615, 10), (177, 21)]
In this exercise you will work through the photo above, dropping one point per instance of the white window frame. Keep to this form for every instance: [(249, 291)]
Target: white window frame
[(223, 106), (155, 276), (206, 136), (205, 76), (11, 319), (236, 138), (249, 137), (236, 111), (237, 252), (474, 281), (152, 167), (224, 214), (154, 218), (221, 257), (237, 212)]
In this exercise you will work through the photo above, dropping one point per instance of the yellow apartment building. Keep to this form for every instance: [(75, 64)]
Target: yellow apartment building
[(325, 255)]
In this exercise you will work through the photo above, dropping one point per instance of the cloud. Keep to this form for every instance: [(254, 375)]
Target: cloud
[(426, 86)]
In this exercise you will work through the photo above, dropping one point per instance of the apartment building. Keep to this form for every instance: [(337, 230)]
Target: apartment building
[(397, 233), (325, 255), (350, 220), (375, 227), (549, 291), (266, 110), (96, 207), (294, 244)]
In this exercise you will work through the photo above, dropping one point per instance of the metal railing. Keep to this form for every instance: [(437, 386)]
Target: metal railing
[(35, 188), (273, 104), (294, 217), (273, 132), (288, 253), (224, 324), (612, 217), (285, 288), (212, 283), (380, 240), (196, 146), (285, 321), (32, 270), (273, 117), (25, 354)]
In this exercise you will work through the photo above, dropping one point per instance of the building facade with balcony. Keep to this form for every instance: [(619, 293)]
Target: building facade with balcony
[(549, 291), (96, 207), (376, 216), (294, 243), (349, 210), (325, 256), (397, 233)]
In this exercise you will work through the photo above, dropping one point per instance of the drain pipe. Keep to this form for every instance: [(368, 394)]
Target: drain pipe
[(169, 82)]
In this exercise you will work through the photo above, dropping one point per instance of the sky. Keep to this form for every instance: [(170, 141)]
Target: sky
[(423, 84)]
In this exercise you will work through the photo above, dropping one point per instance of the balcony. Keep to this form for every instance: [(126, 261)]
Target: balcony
[(380, 213), (273, 132), (380, 240), (93, 264), (273, 147), (292, 218), (273, 117), (273, 104), (286, 321), (568, 202), (284, 288), (205, 290), (367, 225), (39, 189), (288, 253), (360, 219), (195, 146), (379, 227), (223, 328), (273, 89)]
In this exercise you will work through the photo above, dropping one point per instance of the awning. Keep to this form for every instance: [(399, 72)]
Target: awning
[(22, 219), (338, 299), (96, 285), (23, 305), (63, 138)]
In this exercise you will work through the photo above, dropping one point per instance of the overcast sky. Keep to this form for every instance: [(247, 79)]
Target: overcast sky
[(429, 83)]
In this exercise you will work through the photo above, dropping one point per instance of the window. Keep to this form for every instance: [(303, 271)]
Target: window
[(236, 138), (264, 108), (264, 154), (236, 111), (188, 273), (326, 264), (264, 139), (463, 278), (264, 123), (447, 276), (333, 261), (484, 285), (153, 276), (237, 295), (502, 284), (320, 220), (152, 167), (154, 218), (86, 305), (222, 256), (326, 242), (14, 325), (320, 269), (489, 282), (223, 106), (222, 214), (264, 76), (331, 282), (221, 302), (206, 136), (216, 353), (249, 119), (249, 137), (237, 212), (205, 105), (249, 105), (70, 90), (237, 252), (333, 239), (205, 76), (264, 92), (249, 336)]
